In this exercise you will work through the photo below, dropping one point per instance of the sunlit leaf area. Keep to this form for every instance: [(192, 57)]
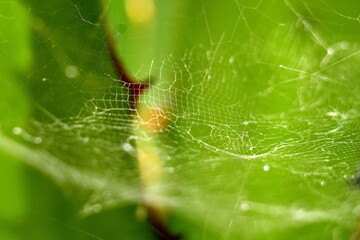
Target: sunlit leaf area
[(181, 119)]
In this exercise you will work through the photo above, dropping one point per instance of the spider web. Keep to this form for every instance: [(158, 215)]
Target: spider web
[(258, 115)]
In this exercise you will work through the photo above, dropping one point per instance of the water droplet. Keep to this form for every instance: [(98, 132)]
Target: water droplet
[(37, 140), (17, 130), (44, 79), (127, 147), (244, 207), (71, 71), (330, 51), (266, 168), (231, 60), (322, 183), (332, 114)]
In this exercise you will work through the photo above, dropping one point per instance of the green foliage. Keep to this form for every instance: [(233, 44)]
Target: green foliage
[(260, 101)]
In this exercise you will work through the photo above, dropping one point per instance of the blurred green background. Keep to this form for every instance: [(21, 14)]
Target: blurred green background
[(261, 101)]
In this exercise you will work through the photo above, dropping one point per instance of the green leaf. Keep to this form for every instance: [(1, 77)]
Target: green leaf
[(14, 58)]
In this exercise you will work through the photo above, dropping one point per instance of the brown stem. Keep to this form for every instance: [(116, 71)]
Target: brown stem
[(135, 90), (158, 226)]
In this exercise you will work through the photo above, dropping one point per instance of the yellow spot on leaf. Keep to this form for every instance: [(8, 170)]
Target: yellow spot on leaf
[(150, 119), (153, 118), (140, 11), (150, 165)]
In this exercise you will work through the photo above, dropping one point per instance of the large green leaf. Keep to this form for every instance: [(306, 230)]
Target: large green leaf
[(256, 108)]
